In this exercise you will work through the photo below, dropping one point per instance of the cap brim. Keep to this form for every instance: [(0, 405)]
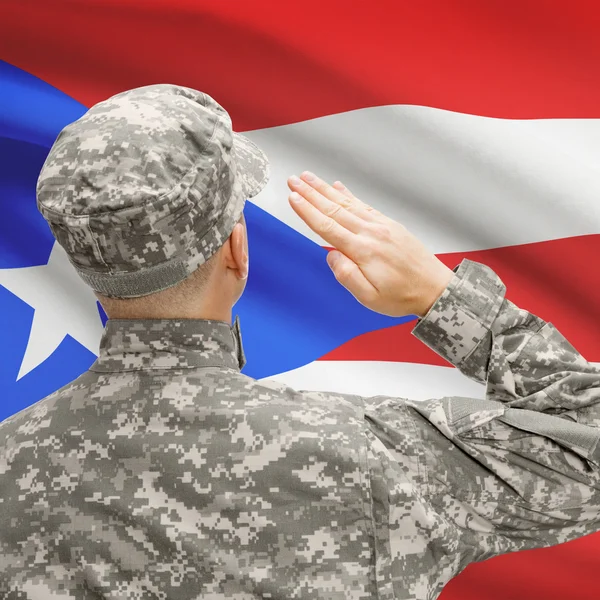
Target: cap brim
[(252, 165)]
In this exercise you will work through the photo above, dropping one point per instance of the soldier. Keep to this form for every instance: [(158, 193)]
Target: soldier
[(163, 472)]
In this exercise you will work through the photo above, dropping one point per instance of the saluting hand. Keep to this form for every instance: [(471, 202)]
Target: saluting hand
[(384, 266)]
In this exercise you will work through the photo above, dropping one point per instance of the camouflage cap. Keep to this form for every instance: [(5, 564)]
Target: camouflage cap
[(147, 186)]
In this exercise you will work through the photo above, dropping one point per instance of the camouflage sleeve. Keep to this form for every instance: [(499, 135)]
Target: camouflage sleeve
[(458, 480), (520, 469)]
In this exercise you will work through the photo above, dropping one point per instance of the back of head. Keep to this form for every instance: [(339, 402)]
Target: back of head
[(146, 187), (185, 299)]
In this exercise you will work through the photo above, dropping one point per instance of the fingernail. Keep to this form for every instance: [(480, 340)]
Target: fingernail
[(333, 257), (295, 180), (294, 197), (308, 176)]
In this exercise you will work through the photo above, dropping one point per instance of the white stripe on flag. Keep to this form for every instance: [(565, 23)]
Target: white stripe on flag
[(373, 378), (459, 182)]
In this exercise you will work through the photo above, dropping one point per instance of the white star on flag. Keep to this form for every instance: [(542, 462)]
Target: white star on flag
[(62, 303)]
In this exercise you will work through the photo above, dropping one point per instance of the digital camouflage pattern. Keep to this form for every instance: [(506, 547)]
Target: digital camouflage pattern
[(147, 186), (163, 472)]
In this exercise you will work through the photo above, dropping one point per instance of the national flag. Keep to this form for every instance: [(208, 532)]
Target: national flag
[(474, 124)]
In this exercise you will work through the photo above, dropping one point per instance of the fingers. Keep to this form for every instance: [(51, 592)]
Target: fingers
[(328, 207), (369, 214), (334, 214), (328, 228), (338, 185), (351, 277), (343, 197)]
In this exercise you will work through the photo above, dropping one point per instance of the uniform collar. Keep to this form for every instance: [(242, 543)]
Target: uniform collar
[(134, 344)]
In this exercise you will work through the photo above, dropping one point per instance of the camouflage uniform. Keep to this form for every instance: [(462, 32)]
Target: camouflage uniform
[(165, 473)]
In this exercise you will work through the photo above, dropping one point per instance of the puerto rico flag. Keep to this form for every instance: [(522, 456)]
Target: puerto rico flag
[(476, 124)]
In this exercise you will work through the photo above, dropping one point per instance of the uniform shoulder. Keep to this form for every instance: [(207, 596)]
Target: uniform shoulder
[(40, 413), (277, 387)]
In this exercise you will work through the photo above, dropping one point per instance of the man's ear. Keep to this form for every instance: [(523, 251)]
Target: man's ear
[(237, 255)]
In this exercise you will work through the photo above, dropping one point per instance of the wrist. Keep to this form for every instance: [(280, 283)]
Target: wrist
[(433, 289)]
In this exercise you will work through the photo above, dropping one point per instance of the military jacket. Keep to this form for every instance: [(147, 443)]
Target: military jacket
[(163, 472)]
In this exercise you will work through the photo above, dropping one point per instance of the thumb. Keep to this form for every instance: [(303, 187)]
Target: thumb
[(350, 276)]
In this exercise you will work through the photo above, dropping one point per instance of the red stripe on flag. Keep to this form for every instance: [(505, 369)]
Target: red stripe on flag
[(558, 280), (564, 572), (271, 63)]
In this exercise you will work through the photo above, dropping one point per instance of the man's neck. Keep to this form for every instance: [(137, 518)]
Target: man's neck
[(209, 313)]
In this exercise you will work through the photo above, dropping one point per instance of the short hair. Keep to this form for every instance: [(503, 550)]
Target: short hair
[(183, 294), (180, 296)]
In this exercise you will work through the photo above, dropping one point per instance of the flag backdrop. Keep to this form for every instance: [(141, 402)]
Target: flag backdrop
[(476, 124)]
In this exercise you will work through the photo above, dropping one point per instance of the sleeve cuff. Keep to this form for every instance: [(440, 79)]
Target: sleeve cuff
[(462, 316)]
